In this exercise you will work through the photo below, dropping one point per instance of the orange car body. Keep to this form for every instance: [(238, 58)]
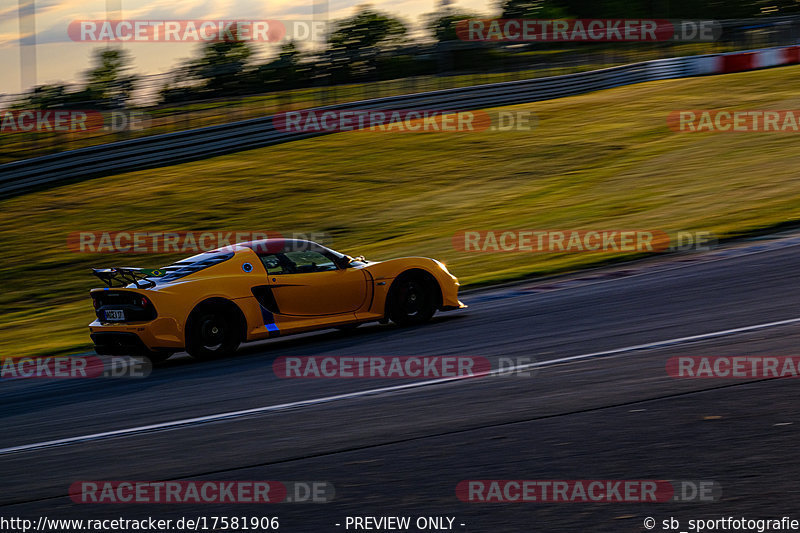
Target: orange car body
[(265, 288)]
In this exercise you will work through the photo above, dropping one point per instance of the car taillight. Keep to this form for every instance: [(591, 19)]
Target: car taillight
[(95, 303), (144, 302)]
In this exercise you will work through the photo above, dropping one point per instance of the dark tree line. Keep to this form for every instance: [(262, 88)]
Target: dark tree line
[(355, 51), (675, 9), (108, 85), (368, 46)]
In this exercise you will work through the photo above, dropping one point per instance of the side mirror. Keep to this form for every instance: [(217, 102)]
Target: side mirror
[(343, 262)]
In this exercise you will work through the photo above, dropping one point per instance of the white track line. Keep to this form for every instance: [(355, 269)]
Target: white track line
[(394, 388)]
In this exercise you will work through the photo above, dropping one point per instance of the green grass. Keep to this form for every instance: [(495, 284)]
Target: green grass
[(604, 160)]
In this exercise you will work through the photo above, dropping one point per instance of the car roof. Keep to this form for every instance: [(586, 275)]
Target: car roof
[(283, 245)]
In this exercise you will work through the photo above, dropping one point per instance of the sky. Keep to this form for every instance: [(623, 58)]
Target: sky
[(60, 59)]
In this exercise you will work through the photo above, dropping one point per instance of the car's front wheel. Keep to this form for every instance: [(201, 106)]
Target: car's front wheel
[(411, 301), (211, 334)]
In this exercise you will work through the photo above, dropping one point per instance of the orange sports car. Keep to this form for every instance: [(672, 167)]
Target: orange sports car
[(210, 303)]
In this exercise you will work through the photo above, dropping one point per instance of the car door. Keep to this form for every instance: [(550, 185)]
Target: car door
[(308, 283)]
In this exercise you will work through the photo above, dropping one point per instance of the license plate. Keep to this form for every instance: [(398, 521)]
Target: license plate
[(115, 314)]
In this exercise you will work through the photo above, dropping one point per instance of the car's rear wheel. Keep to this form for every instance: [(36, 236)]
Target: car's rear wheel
[(411, 301), (211, 334)]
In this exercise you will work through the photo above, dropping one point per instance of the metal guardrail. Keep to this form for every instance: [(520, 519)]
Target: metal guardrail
[(166, 149)]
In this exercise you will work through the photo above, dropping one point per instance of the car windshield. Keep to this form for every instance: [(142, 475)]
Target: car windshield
[(190, 265)]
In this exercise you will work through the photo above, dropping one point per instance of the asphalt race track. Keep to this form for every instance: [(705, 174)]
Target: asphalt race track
[(392, 451)]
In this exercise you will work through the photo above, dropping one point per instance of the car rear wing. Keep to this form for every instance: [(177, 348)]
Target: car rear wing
[(122, 276)]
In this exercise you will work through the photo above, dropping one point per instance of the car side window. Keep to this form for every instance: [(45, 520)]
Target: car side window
[(273, 264), (307, 261), (301, 262)]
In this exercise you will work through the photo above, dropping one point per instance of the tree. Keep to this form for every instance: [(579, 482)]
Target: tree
[(364, 30), (536, 9), (672, 9), (355, 43), (285, 72), (442, 25), (108, 83), (222, 66), (51, 97)]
